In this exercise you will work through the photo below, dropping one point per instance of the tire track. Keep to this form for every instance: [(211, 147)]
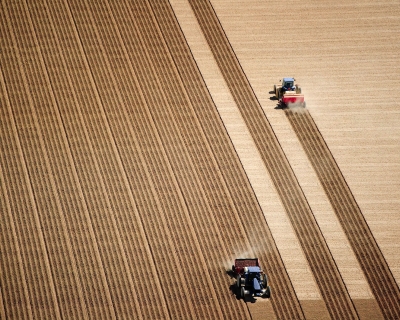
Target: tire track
[(369, 256), (310, 237), (213, 130)]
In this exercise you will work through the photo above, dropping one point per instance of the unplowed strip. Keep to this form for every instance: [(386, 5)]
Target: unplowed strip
[(370, 257), (310, 237), (227, 188)]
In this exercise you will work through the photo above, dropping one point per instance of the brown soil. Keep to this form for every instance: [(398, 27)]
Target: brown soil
[(123, 194)]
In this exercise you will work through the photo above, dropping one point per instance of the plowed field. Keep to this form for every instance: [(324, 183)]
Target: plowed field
[(141, 153)]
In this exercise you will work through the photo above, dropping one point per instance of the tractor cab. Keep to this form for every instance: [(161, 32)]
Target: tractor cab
[(288, 84), (252, 276)]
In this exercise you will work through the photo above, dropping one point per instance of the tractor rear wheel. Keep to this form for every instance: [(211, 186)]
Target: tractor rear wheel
[(278, 93), (242, 293), (238, 281), (268, 292)]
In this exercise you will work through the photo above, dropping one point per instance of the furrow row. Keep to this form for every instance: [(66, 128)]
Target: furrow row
[(197, 167), (2, 307), (22, 113), (13, 280), (118, 183), (232, 176), (102, 133), (64, 265), (144, 129), (83, 214), (361, 239), (171, 208), (297, 208), (177, 213)]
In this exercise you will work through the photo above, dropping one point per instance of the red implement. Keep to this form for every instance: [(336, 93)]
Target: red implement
[(293, 98), (240, 264)]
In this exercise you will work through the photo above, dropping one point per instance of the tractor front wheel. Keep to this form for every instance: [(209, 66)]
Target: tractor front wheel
[(264, 281)]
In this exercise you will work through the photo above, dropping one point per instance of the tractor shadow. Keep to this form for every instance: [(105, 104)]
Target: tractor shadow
[(273, 98), (280, 106), (233, 288)]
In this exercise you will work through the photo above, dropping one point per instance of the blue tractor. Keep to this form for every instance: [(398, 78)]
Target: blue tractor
[(251, 280)]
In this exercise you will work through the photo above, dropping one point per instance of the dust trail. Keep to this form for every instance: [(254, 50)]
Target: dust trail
[(252, 252), (296, 108)]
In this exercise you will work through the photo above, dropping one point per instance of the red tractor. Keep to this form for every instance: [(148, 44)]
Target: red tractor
[(251, 280), (288, 93)]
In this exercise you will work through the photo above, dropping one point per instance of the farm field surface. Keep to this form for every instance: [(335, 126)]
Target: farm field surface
[(142, 151)]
